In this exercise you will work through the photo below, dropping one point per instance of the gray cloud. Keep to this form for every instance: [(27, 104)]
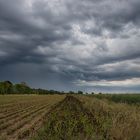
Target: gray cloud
[(55, 43)]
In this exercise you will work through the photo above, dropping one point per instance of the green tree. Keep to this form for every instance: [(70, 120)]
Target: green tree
[(22, 88), (6, 87), (80, 92)]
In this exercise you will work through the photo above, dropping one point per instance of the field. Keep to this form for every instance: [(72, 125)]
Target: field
[(72, 117), (120, 98), (21, 116)]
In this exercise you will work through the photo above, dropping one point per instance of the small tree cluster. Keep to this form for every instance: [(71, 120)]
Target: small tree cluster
[(7, 87)]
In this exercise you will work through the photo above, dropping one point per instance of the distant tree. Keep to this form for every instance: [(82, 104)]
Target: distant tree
[(6, 87), (80, 92), (22, 88), (71, 92), (2, 89), (62, 92), (92, 93)]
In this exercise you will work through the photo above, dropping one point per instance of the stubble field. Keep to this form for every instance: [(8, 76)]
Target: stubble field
[(22, 115)]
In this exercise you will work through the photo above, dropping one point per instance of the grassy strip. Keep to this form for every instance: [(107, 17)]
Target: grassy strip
[(120, 98), (69, 120)]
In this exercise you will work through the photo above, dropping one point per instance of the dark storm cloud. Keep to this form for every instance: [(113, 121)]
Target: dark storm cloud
[(70, 41)]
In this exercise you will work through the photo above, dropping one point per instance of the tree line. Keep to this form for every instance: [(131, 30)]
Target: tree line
[(7, 87)]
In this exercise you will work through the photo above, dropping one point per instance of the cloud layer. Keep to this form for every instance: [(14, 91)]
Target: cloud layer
[(71, 45)]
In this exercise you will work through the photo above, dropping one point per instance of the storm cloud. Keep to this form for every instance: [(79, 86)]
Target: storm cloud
[(90, 45)]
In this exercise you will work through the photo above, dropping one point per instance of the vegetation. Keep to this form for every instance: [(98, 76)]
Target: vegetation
[(117, 121), (81, 117), (69, 120), (122, 98), (8, 87), (71, 117)]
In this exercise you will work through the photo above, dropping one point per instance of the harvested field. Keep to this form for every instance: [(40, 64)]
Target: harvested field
[(21, 116)]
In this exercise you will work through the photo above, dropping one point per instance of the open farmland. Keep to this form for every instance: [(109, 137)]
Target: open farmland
[(71, 117), (22, 115)]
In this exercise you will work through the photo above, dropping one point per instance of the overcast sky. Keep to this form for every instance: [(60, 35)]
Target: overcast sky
[(89, 45)]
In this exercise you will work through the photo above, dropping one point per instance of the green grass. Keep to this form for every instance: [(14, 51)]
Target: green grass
[(120, 98)]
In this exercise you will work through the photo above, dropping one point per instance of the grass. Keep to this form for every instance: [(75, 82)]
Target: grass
[(118, 121), (69, 120), (122, 98), (83, 117)]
